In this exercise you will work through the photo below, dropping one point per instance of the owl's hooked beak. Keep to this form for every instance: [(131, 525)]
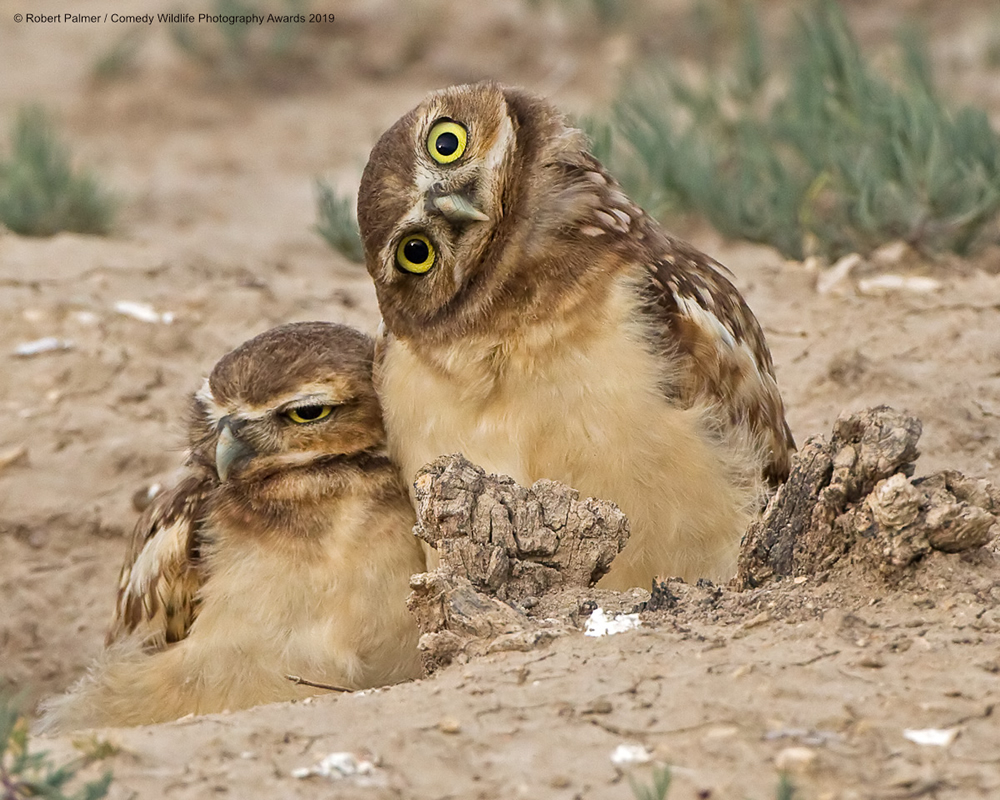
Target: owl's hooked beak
[(230, 450), (456, 207)]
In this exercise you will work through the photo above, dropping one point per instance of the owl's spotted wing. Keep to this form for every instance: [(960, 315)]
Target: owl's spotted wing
[(697, 314), (159, 583), (725, 360)]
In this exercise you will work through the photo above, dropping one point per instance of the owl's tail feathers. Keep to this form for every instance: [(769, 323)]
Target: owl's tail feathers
[(125, 686)]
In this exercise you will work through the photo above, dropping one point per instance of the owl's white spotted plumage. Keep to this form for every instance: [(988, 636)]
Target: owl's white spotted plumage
[(286, 549), (538, 321)]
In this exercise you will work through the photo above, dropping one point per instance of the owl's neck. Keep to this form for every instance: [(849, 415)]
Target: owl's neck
[(296, 505), (482, 361)]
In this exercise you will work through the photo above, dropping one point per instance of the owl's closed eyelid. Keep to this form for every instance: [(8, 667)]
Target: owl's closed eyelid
[(309, 402)]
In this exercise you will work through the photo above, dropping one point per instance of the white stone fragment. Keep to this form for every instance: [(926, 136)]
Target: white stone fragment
[(599, 624), (627, 755), (883, 284), (47, 344), (337, 766), (931, 737), (836, 279), (143, 312)]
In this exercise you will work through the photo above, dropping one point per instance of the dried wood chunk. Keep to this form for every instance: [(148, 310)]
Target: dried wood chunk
[(501, 545), (854, 494)]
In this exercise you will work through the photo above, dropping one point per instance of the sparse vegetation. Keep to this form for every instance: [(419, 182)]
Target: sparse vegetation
[(40, 193), (24, 775), (242, 52), (119, 59), (820, 154), (337, 223), (786, 789), (659, 789)]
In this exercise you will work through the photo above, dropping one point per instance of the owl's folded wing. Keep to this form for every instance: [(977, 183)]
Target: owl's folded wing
[(159, 582), (725, 360)]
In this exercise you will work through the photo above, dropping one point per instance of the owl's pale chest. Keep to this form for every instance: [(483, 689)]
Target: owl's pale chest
[(588, 411), (333, 606), (551, 404)]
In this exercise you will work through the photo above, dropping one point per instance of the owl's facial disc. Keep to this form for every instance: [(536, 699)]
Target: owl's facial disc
[(436, 204)]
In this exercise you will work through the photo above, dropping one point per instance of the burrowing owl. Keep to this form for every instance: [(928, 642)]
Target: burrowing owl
[(538, 321), (286, 550)]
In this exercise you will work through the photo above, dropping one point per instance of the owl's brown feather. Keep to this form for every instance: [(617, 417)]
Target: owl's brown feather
[(158, 587), (726, 361), (696, 314), (286, 549)]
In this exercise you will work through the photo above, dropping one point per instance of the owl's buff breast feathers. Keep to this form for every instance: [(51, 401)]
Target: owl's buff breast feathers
[(585, 409)]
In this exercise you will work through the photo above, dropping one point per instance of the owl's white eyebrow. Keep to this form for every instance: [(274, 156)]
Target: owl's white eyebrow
[(502, 144), (212, 409)]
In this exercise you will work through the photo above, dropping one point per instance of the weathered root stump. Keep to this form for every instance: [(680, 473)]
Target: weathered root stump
[(503, 549), (854, 494)]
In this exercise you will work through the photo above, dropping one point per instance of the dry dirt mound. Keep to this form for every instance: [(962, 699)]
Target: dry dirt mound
[(854, 495), (840, 648), (518, 565)]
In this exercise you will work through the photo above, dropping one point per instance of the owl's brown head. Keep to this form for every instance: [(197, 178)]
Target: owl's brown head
[(463, 207), (286, 407)]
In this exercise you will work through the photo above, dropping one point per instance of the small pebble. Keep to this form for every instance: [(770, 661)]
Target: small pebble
[(449, 725), (795, 759)]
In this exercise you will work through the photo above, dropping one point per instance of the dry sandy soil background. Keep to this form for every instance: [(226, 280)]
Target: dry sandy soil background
[(819, 677)]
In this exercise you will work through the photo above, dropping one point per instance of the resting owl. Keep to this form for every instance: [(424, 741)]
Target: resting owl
[(538, 321), (286, 550)]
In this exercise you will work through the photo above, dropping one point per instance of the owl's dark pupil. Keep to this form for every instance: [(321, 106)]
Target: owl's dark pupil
[(416, 251), (446, 143), (309, 412)]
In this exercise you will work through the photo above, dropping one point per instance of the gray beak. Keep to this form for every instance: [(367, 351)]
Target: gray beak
[(457, 208), (229, 451)]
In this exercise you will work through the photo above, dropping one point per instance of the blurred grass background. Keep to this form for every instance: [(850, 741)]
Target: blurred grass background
[(803, 144), (779, 121)]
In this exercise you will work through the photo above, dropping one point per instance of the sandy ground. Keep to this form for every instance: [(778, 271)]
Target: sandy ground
[(216, 173)]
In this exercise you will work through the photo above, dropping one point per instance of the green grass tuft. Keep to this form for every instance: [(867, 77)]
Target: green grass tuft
[(337, 223), (25, 775), (823, 155), (40, 194), (786, 789), (659, 789)]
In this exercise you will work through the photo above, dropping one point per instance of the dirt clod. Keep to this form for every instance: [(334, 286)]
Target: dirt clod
[(853, 494), (502, 545)]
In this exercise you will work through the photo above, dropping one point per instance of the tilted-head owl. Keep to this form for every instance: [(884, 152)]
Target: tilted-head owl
[(285, 550), (538, 321)]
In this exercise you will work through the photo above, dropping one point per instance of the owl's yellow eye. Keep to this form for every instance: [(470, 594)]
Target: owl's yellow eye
[(415, 253), (446, 141), (304, 414)]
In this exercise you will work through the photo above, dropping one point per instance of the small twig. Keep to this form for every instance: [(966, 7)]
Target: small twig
[(304, 682), (796, 333), (814, 659)]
